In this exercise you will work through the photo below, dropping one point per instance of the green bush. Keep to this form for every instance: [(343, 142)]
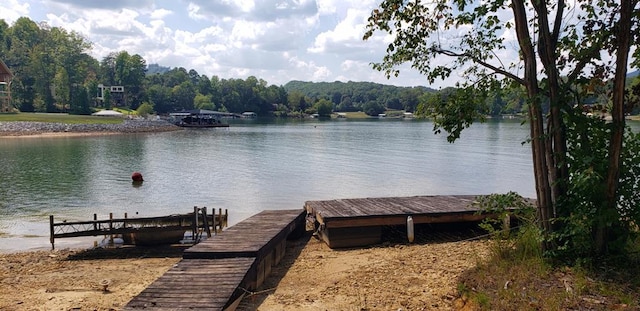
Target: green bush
[(145, 109)]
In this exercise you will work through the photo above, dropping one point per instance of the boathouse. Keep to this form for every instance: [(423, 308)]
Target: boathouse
[(5, 87)]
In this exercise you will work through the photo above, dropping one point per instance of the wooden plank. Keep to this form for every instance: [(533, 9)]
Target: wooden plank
[(390, 206), (252, 237), (208, 284)]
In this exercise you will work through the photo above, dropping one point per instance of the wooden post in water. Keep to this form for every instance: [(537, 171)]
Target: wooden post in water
[(51, 231), (95, 222)]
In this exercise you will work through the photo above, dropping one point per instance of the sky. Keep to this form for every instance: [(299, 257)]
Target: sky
[(274, 40)]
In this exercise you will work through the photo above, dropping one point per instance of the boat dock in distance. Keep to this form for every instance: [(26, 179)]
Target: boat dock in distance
[(199, 118), (359, 222)]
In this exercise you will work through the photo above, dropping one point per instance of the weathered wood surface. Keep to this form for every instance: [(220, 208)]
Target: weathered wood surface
[(196, 284), (199, 219), (345, 213), (255, 236)]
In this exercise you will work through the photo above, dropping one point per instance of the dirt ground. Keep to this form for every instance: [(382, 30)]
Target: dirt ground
[(76, 279), (383, 277), (390, 276)]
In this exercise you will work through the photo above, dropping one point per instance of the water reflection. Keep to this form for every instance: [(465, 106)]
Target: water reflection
[(250, 167)]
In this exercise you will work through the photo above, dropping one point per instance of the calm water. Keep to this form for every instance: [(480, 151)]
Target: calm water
[(247, 168)]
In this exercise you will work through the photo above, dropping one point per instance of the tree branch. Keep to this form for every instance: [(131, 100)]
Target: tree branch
[(558, 22), (482, 63)]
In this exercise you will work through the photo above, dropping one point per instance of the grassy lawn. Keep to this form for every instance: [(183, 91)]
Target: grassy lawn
[(58, 118)]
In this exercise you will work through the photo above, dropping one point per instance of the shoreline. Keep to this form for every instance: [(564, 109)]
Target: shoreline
[(31, 129)]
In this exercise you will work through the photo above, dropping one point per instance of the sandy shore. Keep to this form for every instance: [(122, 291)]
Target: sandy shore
[(389, 276)]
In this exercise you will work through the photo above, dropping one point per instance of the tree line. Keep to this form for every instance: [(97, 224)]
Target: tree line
[(54, 73)]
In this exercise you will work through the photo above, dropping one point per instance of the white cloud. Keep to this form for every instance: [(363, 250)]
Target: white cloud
[(194, 12), (160, 14), (345, 37), (13, 9), (274, 40)]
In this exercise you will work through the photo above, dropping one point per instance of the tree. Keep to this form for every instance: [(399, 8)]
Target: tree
[(145, 109), (324, 108), (129, 71), (182, 96), (373, 108), (107, 99), (62, 87), (589, 46), (203, 102), (159, 97), (79, 100)]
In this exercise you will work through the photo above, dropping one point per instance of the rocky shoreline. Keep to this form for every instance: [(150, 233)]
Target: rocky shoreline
[(25, 128)]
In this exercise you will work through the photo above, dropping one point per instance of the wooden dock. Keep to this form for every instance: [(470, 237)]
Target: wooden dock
[(215, 274), (196, 284), (197, 222), (358, 222)]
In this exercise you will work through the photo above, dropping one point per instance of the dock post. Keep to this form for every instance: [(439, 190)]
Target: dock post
[(111, 228), (194, 226), (213, 220), (95, 224), (205, 221), (51, 232)]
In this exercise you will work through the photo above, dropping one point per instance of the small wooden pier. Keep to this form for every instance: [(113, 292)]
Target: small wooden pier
[(216, 273), (358, 222), (143, 228)]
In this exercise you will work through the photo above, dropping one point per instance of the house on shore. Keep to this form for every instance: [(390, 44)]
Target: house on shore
[(5, 87)]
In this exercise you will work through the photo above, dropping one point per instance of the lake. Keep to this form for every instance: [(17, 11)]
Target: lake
[(246, 168)]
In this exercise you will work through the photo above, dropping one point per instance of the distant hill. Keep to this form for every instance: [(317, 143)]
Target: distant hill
[(633, 74), (360, 96), (309, 88), (155, 68)]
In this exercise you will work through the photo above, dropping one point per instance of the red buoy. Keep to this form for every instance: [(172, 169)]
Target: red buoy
[(136, 176)]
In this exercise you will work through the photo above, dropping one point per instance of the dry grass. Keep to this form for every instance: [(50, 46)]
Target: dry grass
[(510, 283)]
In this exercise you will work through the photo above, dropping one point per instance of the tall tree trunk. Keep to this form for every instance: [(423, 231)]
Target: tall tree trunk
[(617, 133), (556, 131), (538, 150)]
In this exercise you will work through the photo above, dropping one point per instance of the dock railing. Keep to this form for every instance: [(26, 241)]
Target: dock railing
[(198, 222)]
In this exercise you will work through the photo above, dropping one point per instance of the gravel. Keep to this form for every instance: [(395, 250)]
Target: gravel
[(128, 126)]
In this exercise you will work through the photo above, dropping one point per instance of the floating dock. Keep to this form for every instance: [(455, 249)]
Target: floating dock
[(359, 222), (216, 273)]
